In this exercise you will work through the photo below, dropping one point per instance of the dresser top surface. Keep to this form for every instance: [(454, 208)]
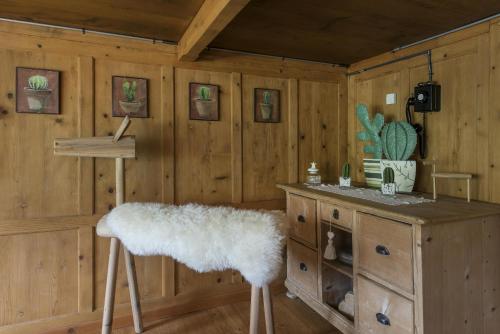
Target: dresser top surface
[(444, 209)]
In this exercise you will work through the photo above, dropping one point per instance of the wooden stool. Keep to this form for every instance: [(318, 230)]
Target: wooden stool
[(446, 175)]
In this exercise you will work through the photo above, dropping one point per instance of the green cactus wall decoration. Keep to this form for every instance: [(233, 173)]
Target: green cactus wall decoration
[(346, 170), (399, 140), (266, 97), (388, 176), (372, 131), (38, 82), (129, 90), (204, 93)]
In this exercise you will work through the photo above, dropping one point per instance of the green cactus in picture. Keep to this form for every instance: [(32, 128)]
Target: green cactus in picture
[(129, 90), (388, 175), (266, 96), (346, 170), (371, 132), (38, 82), (399, 140), (204, 93)]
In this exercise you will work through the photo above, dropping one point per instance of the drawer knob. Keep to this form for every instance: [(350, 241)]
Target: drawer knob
[(383, 319), (382, 250), (335, 214), (302, 266), (301, 219)]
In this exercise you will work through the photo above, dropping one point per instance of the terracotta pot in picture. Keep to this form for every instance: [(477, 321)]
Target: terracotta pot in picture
[(38, 99), (204, 107), (266, 111), (373, 172), (404, 173), (131, 107)]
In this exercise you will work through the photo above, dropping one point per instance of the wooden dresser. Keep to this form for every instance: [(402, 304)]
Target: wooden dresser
[(430, 268)]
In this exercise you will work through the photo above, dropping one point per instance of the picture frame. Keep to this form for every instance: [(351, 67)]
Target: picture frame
[(38, 91), (267, 106), (130, 96), (203, 102)]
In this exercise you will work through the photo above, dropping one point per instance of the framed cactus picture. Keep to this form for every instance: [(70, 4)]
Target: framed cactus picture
[(37, 91), (267, 105), (203, 102), (130, 97)]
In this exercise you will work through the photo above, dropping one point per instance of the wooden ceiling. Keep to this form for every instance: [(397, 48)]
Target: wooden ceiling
[(156, 19), (332, 31), (344, 31)]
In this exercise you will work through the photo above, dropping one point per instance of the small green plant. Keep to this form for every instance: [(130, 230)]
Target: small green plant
[(388, 175), (204, 93), (38, 82), (399, 140), (129, 90), (371, 132), (266, 97), (346, 170)]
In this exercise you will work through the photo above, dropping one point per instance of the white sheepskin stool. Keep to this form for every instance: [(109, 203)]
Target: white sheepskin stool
[(205, 239)]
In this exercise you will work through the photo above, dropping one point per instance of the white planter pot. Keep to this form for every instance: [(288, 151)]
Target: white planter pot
[(388, 188), (344, 182), (404, 173)]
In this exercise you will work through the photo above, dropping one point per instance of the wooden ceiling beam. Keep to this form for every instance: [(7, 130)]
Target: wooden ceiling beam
[(211, 19)]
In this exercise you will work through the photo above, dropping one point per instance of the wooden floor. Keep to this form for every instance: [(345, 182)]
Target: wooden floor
[(291, 316)]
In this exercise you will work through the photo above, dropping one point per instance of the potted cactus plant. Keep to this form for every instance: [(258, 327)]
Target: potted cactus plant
[(345, 178), (388, 186), (204, 101), (399, 140), (130, 104), (266, 107), (37, 92), (373, 172)]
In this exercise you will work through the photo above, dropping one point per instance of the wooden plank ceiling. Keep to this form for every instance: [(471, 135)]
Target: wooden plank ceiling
[(332, 31)]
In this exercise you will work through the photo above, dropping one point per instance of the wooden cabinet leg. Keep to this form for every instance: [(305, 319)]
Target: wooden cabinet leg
[(109, 299), (135, 301), (268, 309), (254, 310)]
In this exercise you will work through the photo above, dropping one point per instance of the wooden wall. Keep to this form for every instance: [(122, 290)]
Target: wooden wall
[(464, 135), (53, 267)]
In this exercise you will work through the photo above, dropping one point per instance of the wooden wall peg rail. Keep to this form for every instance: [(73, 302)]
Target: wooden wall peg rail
[(446, 175), (117, 147)]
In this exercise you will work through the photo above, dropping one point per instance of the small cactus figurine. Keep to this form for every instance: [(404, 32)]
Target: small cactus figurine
[(399, 140), (388, 185), (345, 178), (371, 132)]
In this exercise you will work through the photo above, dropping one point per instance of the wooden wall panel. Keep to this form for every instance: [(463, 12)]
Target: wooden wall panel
[(265, 145), (51, 204), (34, 182), (203, 148), (457, 135), (39, 276), (319, 128)]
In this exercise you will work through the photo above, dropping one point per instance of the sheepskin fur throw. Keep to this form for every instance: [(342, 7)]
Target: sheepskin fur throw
[(204, 238)]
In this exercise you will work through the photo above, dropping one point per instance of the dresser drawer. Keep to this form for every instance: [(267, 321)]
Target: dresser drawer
[(336, 214), (302, 267), (385, 250), (383, 311), (301, 213)]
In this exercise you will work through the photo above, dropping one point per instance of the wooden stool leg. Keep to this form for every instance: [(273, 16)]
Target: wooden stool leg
[(135, 301), (268, 309), (109, 299), (254, 310)]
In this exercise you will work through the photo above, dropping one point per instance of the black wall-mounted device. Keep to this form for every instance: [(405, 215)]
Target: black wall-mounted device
[(427, 97)]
